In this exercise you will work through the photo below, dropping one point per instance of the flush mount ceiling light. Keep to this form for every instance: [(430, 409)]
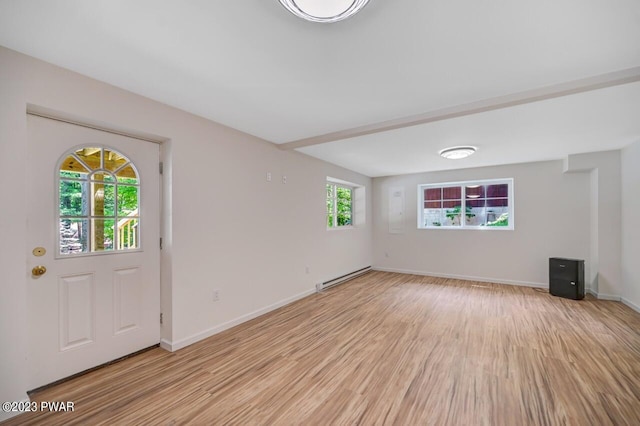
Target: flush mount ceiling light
[(457, 152), (324, 10)]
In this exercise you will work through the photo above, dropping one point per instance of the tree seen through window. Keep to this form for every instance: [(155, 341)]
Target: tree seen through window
[(339, 205)]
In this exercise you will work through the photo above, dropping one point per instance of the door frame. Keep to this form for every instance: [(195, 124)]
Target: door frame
[(165, 231)]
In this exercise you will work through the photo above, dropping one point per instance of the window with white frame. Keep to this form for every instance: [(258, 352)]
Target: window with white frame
[(339, 205), (482, 204), (99, 202)]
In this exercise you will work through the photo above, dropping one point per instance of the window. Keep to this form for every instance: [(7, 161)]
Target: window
[(99, 201), (484, 204), (339, 205)]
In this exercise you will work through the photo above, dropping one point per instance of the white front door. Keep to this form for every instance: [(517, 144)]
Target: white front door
[(93, 223)]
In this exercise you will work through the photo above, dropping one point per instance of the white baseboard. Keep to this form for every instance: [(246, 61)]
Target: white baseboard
[(599, 296), (602, 296), (6, 416), (464, 277), (166, 345), (630, 304), (611, 297), (182, 343)]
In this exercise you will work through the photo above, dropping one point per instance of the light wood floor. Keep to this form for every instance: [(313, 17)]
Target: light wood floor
[(385, 349)]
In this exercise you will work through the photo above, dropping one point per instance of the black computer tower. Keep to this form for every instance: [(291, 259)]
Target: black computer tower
[(566, 278)]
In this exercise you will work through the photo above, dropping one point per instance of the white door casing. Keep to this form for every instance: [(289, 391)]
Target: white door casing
[(90, 309)]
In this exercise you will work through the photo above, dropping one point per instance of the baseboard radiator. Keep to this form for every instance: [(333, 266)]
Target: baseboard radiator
[(344, 278)]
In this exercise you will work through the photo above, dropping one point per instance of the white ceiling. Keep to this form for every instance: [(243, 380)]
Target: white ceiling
[(253, 66), (547, 130)]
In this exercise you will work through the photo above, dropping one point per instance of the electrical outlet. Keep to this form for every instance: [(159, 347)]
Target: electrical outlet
[(284, 179), (268, 176), (216, 295)]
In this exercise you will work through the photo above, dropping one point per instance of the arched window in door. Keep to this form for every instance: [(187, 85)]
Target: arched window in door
[(98, 202)]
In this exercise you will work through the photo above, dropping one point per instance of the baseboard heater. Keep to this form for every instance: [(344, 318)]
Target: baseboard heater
[(325, 285)]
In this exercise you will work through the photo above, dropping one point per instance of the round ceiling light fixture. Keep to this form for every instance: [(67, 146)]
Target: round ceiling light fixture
[(324, 10), (458, 152)]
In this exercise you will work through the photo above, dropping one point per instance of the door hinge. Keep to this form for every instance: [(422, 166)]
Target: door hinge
[(161, 167), (160, 243), (160, 317)]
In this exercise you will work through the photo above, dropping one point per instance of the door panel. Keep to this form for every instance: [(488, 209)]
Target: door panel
[(77, 310), (89, 308), (127, 299)]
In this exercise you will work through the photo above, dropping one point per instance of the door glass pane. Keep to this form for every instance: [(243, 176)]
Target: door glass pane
[(128, 233), (127, 175), (103, 199), (73, 236), (72, 199), (127, 200), (102, 234), (91, 156), (72, 175), (113, 160), (102, 176), (72, 168)]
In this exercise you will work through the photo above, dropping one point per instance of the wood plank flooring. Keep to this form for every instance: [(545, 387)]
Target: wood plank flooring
[(384, 348)]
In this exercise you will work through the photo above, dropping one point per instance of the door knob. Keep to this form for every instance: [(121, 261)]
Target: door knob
[(38, 270)]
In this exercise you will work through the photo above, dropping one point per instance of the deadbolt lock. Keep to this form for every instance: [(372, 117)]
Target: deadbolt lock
[(39, 251), (38, 270)]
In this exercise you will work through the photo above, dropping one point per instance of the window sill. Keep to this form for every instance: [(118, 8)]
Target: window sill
[(340, 228), (468, 228)]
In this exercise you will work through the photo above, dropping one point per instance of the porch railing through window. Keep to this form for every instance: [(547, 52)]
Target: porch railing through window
[(128, 231)]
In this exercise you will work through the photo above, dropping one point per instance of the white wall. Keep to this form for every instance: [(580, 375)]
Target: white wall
[(606, 228), (13, 264), (227, 228), (631, 224), (552, 218)]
